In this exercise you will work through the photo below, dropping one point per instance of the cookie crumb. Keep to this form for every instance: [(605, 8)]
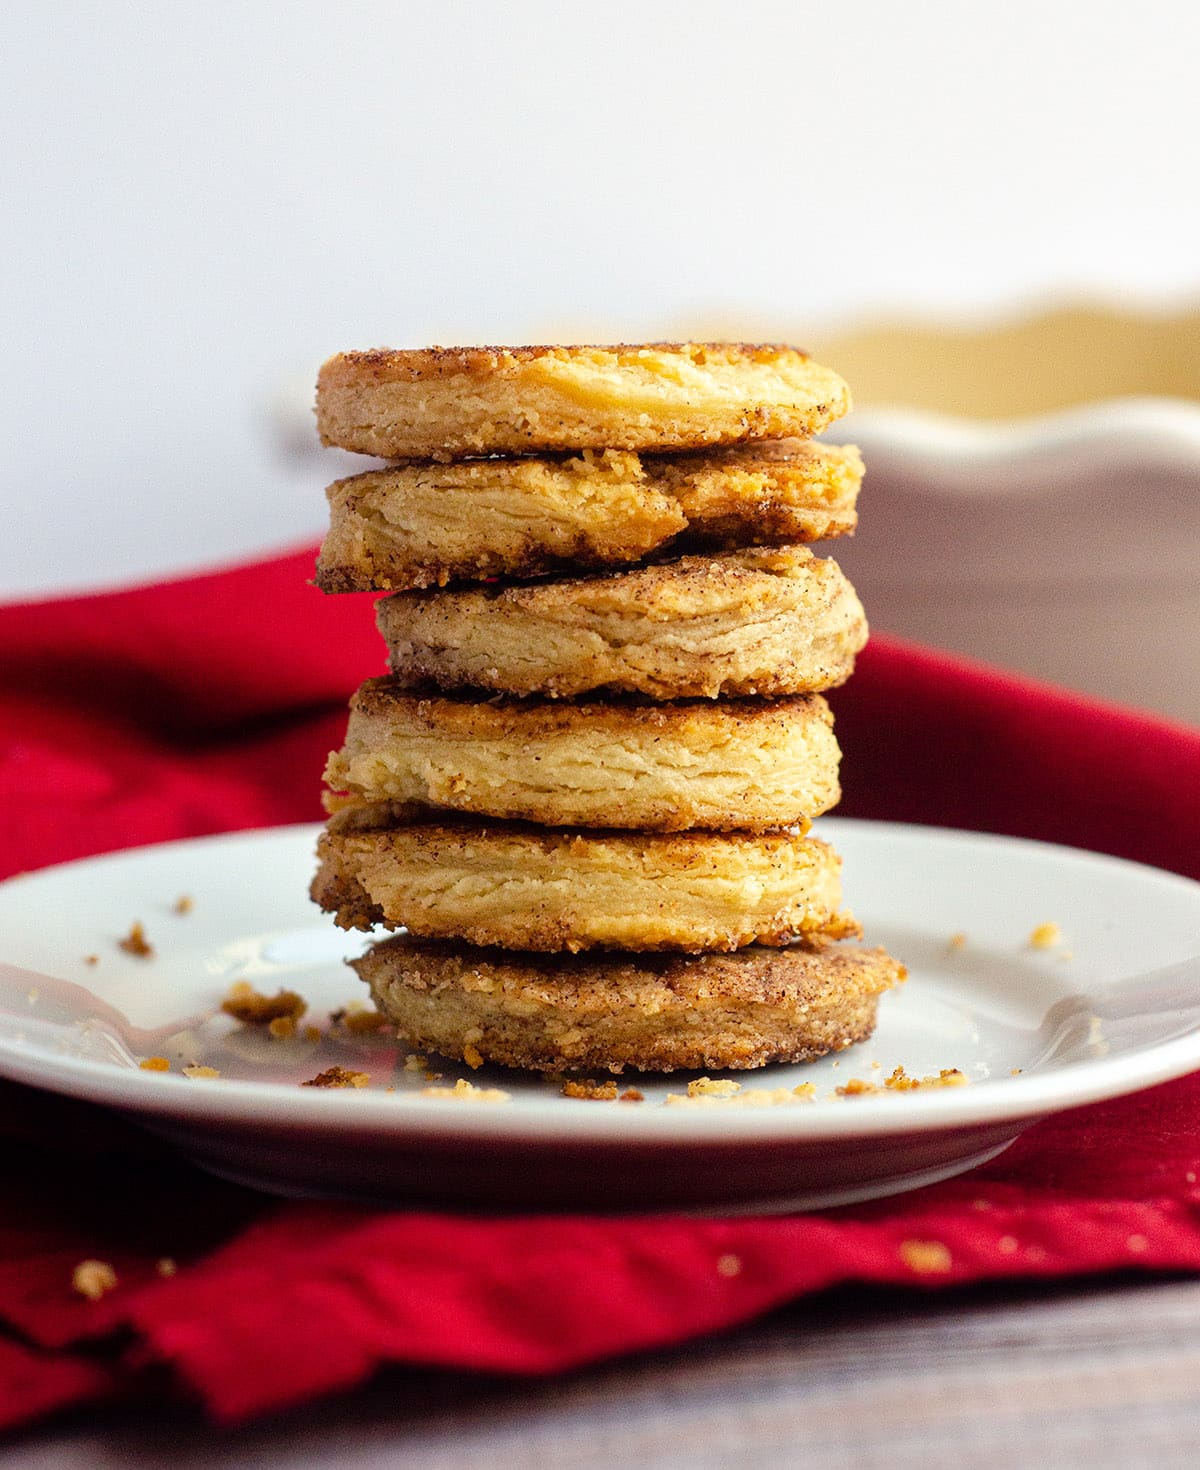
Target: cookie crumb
[(359, 1019), (729, 1265), (592, 1091), (750, 1097), (415, 1062), (93, 1279), (312, 1033), (196, 1070), (184, 904), (472, 1056), (91, 959), (165, 1267), (713, 1087), (338, 1077), (282, 1028), (957, 941), (467, 1092), (135, 942), (155, 1064), (925, 1257), (1045, 936), (900, 1081), (253, 1008), (631, 1094)]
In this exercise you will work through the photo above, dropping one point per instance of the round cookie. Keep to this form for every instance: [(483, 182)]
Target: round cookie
[(528, 888), (737, 764), (760, 621), (423, 525), (651, 1013), (456, 403)]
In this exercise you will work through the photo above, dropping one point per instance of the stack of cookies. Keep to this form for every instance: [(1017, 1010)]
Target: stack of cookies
[(585, 789)]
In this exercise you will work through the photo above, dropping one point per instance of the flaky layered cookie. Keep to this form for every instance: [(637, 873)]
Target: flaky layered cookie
[(762, 621), (454, 403), (738, 764), (645, 1012), (524, 887), (423, 525)]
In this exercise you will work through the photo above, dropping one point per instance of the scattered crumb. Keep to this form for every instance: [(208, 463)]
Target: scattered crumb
[(282, 1028), (155, 1064), (196, 1070), (472, 1056), (338, 1077), (184, 904), (713, 1087), (166, 1267), (1008, 1245), (93, 1279), (135, 942), (750, 1097), (415, 1062), (957, 941), (856, 1087), (1016, 1072), (925, 1257), (900, 1081), (468, 1092), (359, 1019), (1045, 936), (91, 959), (253, 1008), (631, 1094), (590, 1090), (729, 1265), (312, 1033), (1137, 1244)]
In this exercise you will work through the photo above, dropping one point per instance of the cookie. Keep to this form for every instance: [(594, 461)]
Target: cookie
[(650, 1013), (738, 764), (527, 888), (768, 621), (457, 403), (423, 525)]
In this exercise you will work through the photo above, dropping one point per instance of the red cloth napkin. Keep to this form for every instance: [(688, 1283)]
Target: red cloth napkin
[(210, 704)]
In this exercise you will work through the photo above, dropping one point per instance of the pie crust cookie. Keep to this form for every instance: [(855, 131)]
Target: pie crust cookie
[(423, 525), (725, 765), (445, 403), (763, 621), (529, 888), (654, 1013)]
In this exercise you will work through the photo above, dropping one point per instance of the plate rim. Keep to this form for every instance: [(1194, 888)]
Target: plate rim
[(555, 1120)]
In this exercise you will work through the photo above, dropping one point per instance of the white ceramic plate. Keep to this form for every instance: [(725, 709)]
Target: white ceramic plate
[(1114, 1008)]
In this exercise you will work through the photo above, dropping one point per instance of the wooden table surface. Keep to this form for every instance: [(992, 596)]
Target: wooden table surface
[(1086, 1375)]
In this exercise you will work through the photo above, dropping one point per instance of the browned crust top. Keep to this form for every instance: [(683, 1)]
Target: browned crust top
[(389, 364), (524, 717), (755, 974)]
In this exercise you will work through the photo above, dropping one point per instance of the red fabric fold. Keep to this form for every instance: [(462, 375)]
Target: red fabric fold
[(209, 704)]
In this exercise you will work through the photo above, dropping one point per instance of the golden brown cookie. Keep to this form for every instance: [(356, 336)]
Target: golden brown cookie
[(652, 1013), (524, 887), (456, 403), (423, 525), (746, 764), (763, 621)]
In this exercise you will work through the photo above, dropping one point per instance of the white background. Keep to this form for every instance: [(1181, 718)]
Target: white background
[(203, 200)]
